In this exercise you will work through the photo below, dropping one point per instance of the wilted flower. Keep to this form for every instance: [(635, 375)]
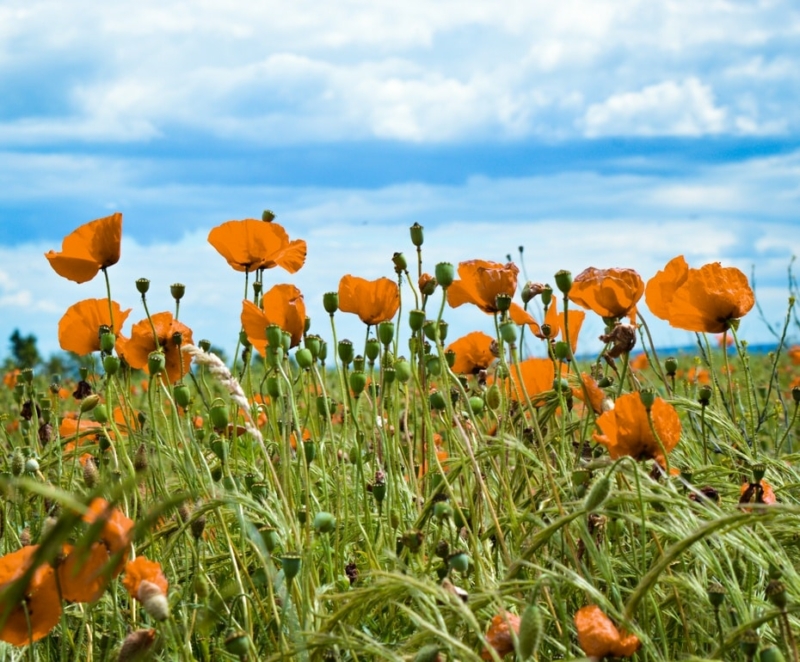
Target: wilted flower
[(611, 293)]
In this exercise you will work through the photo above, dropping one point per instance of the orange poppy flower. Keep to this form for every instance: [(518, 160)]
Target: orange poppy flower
[(10, 378), (479, 284), (250, 244), (555, 320), (473, 353), (760, 492), (626, 430), (499, 635), (599, 637), (117, 531), (82, 575), (374, 301), (537, 377), (695, 374), (610, 293), (138, 347), (591, 393), (78, 328), (282, 305), (93, 246), (793, 352), (142, 569), (703, 300), (39, 605), (639, 362)]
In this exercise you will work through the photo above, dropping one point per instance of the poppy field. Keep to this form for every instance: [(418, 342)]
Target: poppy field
[(403, 495)]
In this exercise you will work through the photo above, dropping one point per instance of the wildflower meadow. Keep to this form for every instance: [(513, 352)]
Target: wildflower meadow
[(403, 495)]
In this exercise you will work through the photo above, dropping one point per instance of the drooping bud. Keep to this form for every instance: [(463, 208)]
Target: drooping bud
[(324, 522), (89, 403)]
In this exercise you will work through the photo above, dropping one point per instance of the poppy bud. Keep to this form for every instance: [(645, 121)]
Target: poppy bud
[(458, 561), (219, 414), (508, 332), (17, 463), (274, 356), (433, 366), (430, 328), (372, 349), (290, 562), (532, 290), (304, 358), (237, 643), (427, 284), (310, 451), (776, 593), (136, 645), (561, 385), (671, 366), (273, 386), (443, 326), (177, 290), (156, 363), (450, 357), (107, 342), (437, 401), (445, 274), (91, 476), (502, 302), (704, 395), (493, 396), (403, 370), (605, 382), (598, 494), (274, 336), (400, 263), (244, 340), (286, 341), (140, 460), (153, 600), (324, 522), (142, 285), (564, 281), (312, 343), (330, 301), (346, 353), (416, 319), (306, 324), (267, 216), (182, 395), (323, 405), (358, 382), (716, 594), (270, 538), (530, 632), (323, 351), (89, 403), (197, 526), (204, 344), (648, 397), (561, 350), (416, 235), (771, 654), (100, 413), (796, 394)]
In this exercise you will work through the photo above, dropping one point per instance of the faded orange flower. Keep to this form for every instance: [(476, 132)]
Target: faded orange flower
[(83, 575), (794, 354), (704, 300), (590, 393), (499, 635), (626, 429), (93, 246), (282, 305), (555, 320), (136, 349), (760, 492), (78, 329), (479, 283), (10, 378), (599, 637), (611, 293), (374, 301), (117, 531), (251, 244), (142, 569), (537, 377), (38, 605), (639, 362), (473, 353)]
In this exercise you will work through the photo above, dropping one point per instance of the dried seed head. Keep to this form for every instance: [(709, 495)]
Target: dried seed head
[(91, 476), (197, 527), (25, 537), (136, 645), (140, 459)]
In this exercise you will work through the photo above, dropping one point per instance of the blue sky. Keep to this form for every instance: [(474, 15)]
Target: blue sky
[(595, 133)]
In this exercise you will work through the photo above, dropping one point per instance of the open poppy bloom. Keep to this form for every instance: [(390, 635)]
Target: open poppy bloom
[(139, 346), (117, 530), (556, 321), (39, 605), (479, 284), (251, 244), (142, 569), (473, 353), (705, 300), (374, 301), (599, 637), (760, 492), (626, 430), (93, 246), (537, 377), (282, 305), (499, 635), (590, 393), (83, 575), (611, 293), (78, 329)]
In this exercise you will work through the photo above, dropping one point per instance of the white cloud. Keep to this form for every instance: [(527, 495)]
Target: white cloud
[(669, 108)]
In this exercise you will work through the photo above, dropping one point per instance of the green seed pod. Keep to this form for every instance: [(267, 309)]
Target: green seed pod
[(433, 366), (493, 396), (429, 653), (400, 262), (142, 285), (358, 382), (379, 492), (182, 395), (372, 349), (775, 593), (89, 403), (274, 336), (107, 342), (458, 561), (442, 510), (237, 643), (749, 643), (508, 332), (268, 216), (771, 654), (412, 540), (476, 404), (177, 290), (403, 370), (563, 281), (204, 344), (270, 538), (323, 406), (648, 397), (304, 358), (416, 319), (330, 301), (445, 274), (346, 353), (312, 343), (502, 302), (704, 395), (324, 522), (386, 333), (394, 518), (561, 351), (220, 448), (598, 494), (111, 365), (530, 632), (389, 375), (100, 414), (671, 366), (290, 562), (430, 329), (244, 340), (216, 473), (417, 236), (219, 414), (716, 594), (437, 401), (309, 451), (156, 363), (273, 387)]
